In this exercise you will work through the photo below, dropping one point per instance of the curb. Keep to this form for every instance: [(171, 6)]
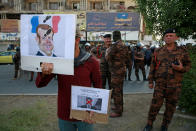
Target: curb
[(181, 115), (52, 94), (28, 94)]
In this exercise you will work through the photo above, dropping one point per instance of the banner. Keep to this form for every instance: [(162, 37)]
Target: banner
[(122, 21)]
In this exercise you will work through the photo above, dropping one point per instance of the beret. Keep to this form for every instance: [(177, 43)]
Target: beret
[(107, 36), (171, 30)]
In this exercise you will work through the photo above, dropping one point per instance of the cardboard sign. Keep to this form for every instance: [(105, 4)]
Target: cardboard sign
[(48, 38), (85, 99)]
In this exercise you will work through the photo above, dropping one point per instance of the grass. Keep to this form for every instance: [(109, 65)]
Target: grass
[(26, 119), (38, 113)]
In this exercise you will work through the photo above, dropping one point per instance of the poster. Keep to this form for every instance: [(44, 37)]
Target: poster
[(84, 99), (48, 38)]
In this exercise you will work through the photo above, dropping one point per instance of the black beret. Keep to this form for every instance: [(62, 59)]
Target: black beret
[(116, 35), (107, 36), (171, 30)]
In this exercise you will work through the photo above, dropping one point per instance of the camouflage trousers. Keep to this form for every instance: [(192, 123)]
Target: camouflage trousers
[(171, 96), (137, 67), (117, 92), (106, 76), (129, 68)]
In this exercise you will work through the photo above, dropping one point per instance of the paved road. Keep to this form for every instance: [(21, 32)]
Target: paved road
[(8, 86)]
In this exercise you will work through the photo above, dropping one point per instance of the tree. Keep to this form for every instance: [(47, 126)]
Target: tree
[(160, 15)]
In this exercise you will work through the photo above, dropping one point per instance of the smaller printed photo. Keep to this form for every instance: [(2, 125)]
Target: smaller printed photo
[(89, 102)]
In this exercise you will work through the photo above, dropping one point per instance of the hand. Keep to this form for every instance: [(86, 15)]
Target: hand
[(89, 119), (178, 67), (151, 86), (47, 68)]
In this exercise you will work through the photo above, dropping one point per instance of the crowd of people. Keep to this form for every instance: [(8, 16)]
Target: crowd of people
[(112, 62), (139, 58), (167, 65)]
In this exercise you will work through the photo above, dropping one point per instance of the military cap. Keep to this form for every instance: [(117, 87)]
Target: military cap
[(116, 35), (171, 30), (107, 36)]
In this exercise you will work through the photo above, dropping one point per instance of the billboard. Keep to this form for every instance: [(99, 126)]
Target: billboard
[(123, 21)]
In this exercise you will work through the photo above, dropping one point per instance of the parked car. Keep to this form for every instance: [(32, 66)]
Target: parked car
[(6, 57)]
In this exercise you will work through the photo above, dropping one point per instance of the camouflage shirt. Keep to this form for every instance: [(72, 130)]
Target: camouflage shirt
[(140, 54), (99, 52), (161, 70), (117, 57)]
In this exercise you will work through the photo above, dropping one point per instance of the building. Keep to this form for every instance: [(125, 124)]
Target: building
[(10, 11)]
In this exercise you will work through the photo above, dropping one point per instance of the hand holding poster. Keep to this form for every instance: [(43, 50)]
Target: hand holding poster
[(85, 99), (48, 38)]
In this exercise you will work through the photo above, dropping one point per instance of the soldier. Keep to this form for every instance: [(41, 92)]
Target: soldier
[(87, 47), (105, 73), (117, 58), (99, 52), (139, 61), (169, 63), (129, 64)]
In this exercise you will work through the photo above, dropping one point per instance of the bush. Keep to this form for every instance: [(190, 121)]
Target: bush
[(188, 94)]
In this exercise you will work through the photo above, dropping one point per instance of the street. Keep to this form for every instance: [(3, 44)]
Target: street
[(23, 86)]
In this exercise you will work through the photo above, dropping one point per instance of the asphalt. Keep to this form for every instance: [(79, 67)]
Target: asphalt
[(22, 86)]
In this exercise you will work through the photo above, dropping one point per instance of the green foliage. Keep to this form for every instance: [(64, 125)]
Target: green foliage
[(160, 15), (188, 95)]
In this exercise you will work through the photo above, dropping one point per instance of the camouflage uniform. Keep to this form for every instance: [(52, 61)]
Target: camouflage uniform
[(129, 64), (168, 81), (104, 68), (117, 58), (99, 52), (139, 64)]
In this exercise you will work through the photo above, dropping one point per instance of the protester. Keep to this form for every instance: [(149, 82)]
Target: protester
[(116, 56), (169, 63), (16, 61), (86, 73)]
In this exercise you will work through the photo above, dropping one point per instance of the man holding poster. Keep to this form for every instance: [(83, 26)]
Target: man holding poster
[(86, 73)]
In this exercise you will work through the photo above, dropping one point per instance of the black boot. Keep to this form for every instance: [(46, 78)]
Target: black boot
[(163, 128), (147, 128), (144, 78)]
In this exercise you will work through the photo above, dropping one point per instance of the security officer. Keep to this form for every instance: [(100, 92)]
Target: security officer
[(87, 47), (139, 61), (130, 63), (169, 63), (117, 58), (104, 68)]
